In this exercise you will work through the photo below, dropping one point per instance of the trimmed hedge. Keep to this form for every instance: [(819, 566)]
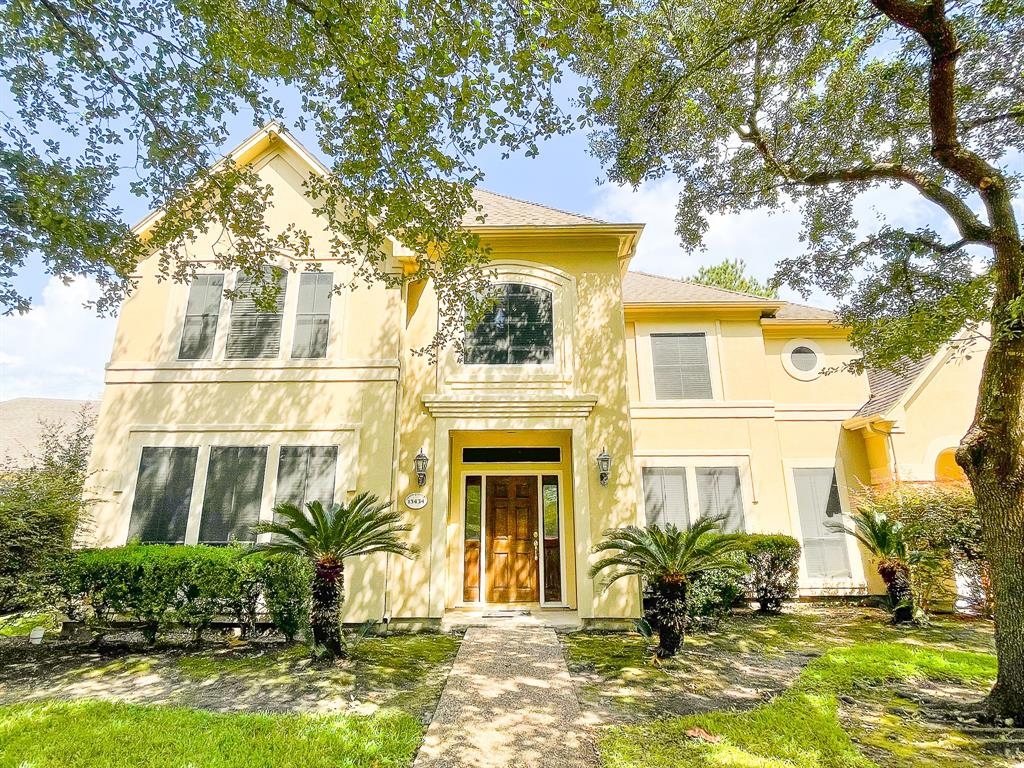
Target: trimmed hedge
[(157, 587), (774, 569)]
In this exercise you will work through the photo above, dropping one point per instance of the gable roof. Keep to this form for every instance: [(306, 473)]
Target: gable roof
[(503, 211), (887, 387)]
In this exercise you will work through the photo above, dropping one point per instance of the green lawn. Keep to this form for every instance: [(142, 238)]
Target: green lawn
[(823, 686), (94, 734), (801, 727)]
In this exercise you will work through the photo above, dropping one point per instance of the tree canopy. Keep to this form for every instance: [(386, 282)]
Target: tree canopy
[(399, 95), (732, 275), (762, 104)]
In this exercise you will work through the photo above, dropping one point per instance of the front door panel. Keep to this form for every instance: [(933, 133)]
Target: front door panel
[(512, 542)]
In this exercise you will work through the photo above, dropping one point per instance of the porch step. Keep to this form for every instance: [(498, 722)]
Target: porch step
[(463, 618)]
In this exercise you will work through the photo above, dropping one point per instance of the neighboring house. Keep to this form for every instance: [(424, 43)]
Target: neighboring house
[(22, 421), (704, 401)]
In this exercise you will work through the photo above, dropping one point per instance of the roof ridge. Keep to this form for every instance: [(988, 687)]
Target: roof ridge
[(541, 205)]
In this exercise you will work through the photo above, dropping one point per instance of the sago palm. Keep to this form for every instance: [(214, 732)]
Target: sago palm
[(327, 537), (885, 540), (667, 559)]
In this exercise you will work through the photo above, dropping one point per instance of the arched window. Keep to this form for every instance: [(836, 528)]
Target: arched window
[(517, 330), (946, 468)]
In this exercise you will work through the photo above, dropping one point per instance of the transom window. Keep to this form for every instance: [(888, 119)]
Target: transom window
[(517, 330)]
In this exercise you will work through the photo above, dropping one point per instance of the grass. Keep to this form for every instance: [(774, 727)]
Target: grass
[(801, 727), (97, 734), (21, 624)]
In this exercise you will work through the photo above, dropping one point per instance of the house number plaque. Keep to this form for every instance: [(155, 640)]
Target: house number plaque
[(416, 500)]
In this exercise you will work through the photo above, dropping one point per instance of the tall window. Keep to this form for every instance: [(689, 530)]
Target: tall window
[(517, 330), (234, 491), (552, 540), (665, 496), (681, 369), (312, 315), (201, 317), (163, 494), (719, 495), (817, 500), (306, 473), (255, 333), (471, 540)]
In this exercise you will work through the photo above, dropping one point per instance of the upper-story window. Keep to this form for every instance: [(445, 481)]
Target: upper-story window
[(517, 330), (681, 370), (255, 333), (312, 315), (201, 317)]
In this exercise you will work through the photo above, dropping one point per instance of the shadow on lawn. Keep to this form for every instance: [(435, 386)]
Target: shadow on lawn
[(402, 671)]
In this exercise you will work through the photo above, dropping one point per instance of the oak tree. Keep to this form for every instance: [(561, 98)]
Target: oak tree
[(765, 104)]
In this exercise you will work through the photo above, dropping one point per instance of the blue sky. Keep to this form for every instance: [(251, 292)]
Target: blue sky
[(60, 348)]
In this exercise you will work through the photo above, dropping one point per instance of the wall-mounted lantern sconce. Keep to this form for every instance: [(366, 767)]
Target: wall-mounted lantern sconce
[(604, 466), (420, 463)]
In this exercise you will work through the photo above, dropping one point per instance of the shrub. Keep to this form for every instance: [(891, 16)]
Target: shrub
[(41, 507), (287, 590), (156, 587), (714, 593), (774, 569)]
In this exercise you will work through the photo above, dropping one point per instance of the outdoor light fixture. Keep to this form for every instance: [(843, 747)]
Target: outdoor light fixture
[(420, 463), (604, 466)]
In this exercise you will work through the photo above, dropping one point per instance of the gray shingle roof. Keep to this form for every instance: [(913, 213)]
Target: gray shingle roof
[(20, 418), (503, 211), (888, 386), (644, 288)]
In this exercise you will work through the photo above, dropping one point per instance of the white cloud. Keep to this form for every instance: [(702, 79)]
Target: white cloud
[(59, 348)]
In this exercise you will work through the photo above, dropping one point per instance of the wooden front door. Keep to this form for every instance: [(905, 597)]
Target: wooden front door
[(512, 543)]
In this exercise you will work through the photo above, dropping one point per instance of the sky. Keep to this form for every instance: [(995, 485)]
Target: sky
[(60, 348)]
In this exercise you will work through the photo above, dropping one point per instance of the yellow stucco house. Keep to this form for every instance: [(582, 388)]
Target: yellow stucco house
[(698, 400)]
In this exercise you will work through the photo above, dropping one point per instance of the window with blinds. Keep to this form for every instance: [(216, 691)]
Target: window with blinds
[(201, 316), (719, 495), (234, 494), (163, 494), (312, 315), (817, 499), (517, 330), (681, 369), (665, 496), (254, 333), (306, 473)]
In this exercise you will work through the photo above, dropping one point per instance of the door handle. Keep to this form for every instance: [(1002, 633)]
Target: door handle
[(536, 546)]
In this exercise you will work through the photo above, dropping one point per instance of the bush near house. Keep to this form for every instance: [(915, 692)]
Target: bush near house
[(773, 574), (158, 587), (40, 509)]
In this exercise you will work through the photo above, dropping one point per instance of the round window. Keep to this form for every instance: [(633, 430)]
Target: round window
[(804, 359)]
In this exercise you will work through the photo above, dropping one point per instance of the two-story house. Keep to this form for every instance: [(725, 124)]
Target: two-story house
[(590, 397)]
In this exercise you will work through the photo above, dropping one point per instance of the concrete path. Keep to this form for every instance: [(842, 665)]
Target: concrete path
[(508, 701)]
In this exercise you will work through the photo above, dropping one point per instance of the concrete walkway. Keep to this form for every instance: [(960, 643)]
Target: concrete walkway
[(508, 701)]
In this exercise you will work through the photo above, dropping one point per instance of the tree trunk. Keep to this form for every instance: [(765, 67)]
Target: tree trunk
[(670, 611), (896, 575), (325, 608), (992, 455)]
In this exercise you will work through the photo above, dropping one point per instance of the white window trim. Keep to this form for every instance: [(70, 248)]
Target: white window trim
[(558, 373), (345, 479), (178, 306), (857, 579), (645, 360), (690, 462), (792, 370)]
